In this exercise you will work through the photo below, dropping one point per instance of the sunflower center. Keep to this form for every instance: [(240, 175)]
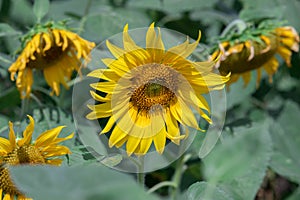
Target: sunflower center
[(46, 58), (24, 155), (27, 154), (6, 183), (153, 85)]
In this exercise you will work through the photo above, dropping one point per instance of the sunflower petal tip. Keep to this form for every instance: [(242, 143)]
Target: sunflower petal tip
[(125, 28), (199, 36)]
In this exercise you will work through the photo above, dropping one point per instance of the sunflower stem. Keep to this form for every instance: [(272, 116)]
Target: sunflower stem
[(87, 7), (141, 174), (237, 24), (180, 168), (24, 107)]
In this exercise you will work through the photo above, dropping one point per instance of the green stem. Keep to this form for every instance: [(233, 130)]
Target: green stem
[(238, 24), (141, 174), (87, 7), (178, 174), (24, 107), (162, 184)]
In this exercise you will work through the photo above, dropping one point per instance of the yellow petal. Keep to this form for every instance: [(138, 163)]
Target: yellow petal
[(99, 111), (48, 137), (144, 146), (107, 87), (12, 136), (247, 77), (160, 141), (56, 162), (129, 44), (99, 98), (116, 51), (55, 151), (116, 136), (27, 133), (183, 50), (120, 68), (58, 140), (5, 145), (285, 54), (172, 128), (132, 144), (48, 42)]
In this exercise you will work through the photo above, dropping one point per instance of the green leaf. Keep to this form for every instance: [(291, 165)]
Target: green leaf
[(171, 6), (77, 183), (240, 162), (3, 123), (285, 134), (102, 25), (21, 12), (7, 30), (9, 98), (207, 191), (40, 8), (256, 14)]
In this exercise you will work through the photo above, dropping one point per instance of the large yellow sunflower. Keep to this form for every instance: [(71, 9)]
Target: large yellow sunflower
[(56, 52), (257, 53), (17, 151), (151, 93)]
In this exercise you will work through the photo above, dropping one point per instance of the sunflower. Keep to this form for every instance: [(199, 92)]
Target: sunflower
[(151, 93), (17, 151), (257, 52), (56, 52)]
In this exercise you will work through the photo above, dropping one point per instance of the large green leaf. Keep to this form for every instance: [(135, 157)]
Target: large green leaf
[(40, 8), (171, 6), (76, 183), (7, 30), (285, 134), (280, 9), (207, 191), (240, 162), (100, 26), (21, 12)]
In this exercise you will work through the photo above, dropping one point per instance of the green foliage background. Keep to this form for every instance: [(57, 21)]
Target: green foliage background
[(258, 153)]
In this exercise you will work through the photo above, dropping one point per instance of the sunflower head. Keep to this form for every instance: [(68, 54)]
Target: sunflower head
[(255, 48), (149, 94), (52, 49), (17, 151)]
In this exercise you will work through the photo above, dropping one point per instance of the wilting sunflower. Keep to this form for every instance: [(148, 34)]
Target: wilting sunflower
[(55, 51), (256, 50), (17, 151), (151, 93)]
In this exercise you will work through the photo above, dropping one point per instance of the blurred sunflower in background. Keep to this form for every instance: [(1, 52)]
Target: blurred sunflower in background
[(151, 92), (255, 48), (17, 151), (55, 51)]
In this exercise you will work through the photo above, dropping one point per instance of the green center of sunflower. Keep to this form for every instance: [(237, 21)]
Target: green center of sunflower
[(153, 85)]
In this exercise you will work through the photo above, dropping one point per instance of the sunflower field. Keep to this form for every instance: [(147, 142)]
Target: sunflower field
[(149, 99)]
